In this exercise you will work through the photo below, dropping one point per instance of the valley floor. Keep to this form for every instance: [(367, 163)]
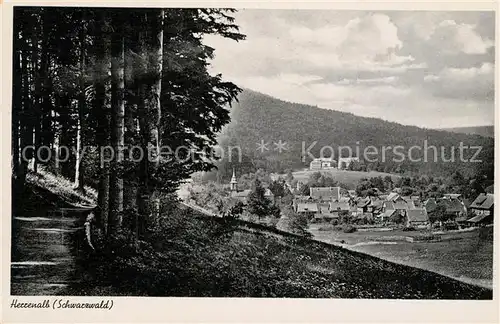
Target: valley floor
[(466, 256)]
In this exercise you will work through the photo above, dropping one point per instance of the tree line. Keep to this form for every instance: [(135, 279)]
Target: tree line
[(110, 83)]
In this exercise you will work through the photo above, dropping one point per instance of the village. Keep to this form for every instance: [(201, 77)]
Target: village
[(336, 205), (327, 204)]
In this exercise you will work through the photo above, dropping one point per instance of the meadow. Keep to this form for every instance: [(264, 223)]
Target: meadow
[(466, 256), (346, 177)]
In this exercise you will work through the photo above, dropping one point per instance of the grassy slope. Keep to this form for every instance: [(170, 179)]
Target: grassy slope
[(45, 190), (198, 256)]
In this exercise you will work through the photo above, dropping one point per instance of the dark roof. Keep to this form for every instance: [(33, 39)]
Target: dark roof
[(325, 192), (389, 205), (453, 205), (376, 203), (363, 202), (483, 201), (400, 205), (417, 215), (388, 213), (307, 207), (339, 205), (478, 218)]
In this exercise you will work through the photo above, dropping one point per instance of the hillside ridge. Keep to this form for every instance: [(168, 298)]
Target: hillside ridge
[(258, 117)]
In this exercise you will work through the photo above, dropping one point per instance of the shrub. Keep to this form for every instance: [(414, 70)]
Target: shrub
[(349, 229), (450, 226)]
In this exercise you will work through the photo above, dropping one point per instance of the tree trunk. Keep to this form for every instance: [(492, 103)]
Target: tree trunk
[(102, 133), (80, 138), (36, 97), (16, 105), (26, 126), (143, 190), (156, 65), (130, 179), (66, 138), (47, 136), (117, 127)]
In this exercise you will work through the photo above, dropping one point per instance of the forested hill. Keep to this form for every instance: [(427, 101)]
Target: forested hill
[(487, 131), (258, 117)]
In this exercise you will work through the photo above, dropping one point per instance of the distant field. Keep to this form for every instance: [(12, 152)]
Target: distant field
[(466, 257), (347, 177)]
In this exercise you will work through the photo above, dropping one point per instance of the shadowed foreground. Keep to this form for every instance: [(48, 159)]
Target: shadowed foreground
[(198, 256)]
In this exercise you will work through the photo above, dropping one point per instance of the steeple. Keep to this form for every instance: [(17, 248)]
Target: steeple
[(234, 182)]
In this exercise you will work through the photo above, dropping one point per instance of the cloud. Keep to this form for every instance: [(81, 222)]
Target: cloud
[(473, 82), (386, 80), (452, 37), (364, 43), (398, 65)]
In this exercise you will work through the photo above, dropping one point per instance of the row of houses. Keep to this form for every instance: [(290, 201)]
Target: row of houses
[(327, 204)]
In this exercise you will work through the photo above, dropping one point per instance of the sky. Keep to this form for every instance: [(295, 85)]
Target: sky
[(426, 68)]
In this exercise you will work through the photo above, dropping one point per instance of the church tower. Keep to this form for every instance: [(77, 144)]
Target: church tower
[(234, 182)]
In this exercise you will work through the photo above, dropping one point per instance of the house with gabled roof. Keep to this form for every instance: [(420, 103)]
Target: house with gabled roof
[(324, 193), (375, 206), (395, 208), (454, 207), (483, 208), (362, 205), (393, 196), (338, 206), (307, 207), (417, 217), (324, 213), (386, 215)]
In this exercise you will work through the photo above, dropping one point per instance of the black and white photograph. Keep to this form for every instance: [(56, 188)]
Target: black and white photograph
[(257, 153)]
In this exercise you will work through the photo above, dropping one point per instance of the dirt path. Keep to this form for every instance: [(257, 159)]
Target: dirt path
[(43, 253)]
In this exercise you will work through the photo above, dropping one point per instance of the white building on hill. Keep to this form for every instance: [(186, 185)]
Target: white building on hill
[(322, 163)]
